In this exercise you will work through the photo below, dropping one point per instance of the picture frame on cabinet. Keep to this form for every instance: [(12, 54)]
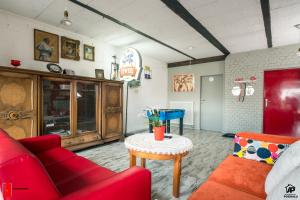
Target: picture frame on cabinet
[(99, 73)]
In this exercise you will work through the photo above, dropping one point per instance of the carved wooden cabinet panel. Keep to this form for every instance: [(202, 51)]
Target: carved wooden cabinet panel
[(18, 104), (112, 110)]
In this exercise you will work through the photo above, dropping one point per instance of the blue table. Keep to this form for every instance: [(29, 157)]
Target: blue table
[(166, 115)]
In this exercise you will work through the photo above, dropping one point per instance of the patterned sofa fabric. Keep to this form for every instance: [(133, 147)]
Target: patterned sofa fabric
[(262, 151)]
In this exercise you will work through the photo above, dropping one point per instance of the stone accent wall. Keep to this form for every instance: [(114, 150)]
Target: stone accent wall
[(248, 115)]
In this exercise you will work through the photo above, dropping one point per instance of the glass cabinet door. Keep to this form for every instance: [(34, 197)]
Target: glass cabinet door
[(56, 107), (86, 107)]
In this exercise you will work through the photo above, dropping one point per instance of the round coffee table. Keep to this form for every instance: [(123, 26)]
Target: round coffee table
[(144, 146)]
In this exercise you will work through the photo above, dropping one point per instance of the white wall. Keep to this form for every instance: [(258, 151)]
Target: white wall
[(17, 42), (151, 93), (248, 115), (198, 70)]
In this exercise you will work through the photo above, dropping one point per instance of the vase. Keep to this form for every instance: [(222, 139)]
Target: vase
[(15, 63), (159, 133)]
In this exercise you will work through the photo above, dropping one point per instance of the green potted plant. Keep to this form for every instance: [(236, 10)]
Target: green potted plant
[(158, 126)]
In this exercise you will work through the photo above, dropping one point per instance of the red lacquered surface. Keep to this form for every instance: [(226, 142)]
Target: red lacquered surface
[(282, 102)]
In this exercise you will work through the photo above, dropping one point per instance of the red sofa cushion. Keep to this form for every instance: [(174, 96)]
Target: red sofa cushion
[(216, 191), (76, 172), (242, 174), (54, 156)]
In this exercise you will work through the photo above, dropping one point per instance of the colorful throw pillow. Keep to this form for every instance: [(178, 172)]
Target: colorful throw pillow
[(258, 150)]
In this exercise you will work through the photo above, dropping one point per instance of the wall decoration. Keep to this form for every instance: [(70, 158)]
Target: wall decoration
[(183, 83), (46, 46), (131, 65), (147, 72), (99, 73), (70, 48), (88, 52), (243, 88), (130, 71)]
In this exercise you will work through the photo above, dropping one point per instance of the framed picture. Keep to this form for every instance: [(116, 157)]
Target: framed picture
[(183, 83), (99, 73), (88, 52), (46, 46), (70, 48)]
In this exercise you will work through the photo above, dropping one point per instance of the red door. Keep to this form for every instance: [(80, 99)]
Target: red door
[(282, 102)]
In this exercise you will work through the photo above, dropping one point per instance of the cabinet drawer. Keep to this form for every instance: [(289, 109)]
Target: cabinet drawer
[(89, 138), (80, 139), (69, 142)]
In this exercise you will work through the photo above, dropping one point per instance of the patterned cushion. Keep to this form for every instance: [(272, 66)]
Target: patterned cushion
[(266, 152)]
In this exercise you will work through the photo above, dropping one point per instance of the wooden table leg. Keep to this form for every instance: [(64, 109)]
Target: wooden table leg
[(176, 176), (132, 160), (143, 162)]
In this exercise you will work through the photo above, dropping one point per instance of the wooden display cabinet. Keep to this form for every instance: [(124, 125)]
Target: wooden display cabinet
[(83, 111)]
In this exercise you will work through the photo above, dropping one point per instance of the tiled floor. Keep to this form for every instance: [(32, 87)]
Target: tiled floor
[(210, 148)]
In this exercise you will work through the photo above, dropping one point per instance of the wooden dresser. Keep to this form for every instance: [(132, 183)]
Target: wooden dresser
[(84, 111)]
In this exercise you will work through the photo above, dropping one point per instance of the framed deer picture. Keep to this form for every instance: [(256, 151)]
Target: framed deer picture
[(183, 83)]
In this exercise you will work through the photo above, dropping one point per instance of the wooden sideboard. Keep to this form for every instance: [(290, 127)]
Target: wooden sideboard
[(84, 111)]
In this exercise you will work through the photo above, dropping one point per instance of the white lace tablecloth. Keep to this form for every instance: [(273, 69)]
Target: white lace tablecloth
[(145, 142)]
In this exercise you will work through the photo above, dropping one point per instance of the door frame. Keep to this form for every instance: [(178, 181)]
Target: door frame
[(200, 95)]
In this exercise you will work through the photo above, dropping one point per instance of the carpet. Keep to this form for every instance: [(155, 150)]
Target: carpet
[(210, 148)]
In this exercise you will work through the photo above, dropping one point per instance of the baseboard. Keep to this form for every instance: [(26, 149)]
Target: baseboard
[(138, 131), (184, 126)]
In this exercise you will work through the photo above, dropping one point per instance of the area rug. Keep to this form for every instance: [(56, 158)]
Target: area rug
[(210, 148)]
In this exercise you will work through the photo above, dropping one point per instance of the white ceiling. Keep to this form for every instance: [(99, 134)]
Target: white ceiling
[(237, 24)]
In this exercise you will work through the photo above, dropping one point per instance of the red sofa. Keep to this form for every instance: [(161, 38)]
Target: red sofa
[(239, 178), (39, 168)]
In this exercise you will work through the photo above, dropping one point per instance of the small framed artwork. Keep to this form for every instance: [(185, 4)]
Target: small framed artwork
[(99, 73), (46, 46), (183, 83), (70, 48), (88, 52)]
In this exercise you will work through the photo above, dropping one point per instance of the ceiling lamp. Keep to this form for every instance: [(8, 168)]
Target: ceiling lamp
[(65, 21), (298, 27)]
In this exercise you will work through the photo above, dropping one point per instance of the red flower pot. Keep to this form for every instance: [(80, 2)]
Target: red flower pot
[(159, 133)]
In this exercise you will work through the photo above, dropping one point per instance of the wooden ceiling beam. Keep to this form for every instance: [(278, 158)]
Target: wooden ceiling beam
[(265, 8), (197, 61), (184, 14)]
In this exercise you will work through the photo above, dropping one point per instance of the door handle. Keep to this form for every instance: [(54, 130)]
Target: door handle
[(266, 103)]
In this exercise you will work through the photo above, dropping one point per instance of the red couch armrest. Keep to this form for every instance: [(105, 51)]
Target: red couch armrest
[(268, 137), (41, 143), (131, 184)]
